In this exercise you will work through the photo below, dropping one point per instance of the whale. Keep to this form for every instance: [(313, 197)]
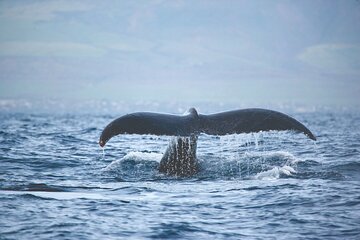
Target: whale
[(179, 159)]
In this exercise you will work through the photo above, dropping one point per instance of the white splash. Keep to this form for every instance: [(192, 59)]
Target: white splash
[(134, 156), (275, 173)]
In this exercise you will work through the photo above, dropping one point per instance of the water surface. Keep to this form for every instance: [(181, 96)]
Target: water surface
[(55, 182)]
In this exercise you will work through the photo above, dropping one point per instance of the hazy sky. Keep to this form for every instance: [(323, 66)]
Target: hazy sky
[(228, 51)]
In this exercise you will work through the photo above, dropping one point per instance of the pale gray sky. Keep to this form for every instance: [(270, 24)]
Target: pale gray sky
[(228, 51)]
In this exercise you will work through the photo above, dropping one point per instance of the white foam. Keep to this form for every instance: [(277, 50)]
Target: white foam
[(275, 173), (287, 170)]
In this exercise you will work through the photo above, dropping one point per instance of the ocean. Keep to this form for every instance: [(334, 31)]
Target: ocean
[(57, 183)]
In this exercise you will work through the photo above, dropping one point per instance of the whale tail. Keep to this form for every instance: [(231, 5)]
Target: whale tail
[(180, 157), (231, 122)]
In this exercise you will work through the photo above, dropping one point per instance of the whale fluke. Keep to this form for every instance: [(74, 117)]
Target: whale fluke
[(238, 121)]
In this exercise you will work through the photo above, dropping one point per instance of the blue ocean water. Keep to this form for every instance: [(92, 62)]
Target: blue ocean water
[(56, 182)]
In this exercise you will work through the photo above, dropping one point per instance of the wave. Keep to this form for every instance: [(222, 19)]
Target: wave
[(250, 165), (349, 167), (275, 173), (35, 187), (135, 166), (54, 195)]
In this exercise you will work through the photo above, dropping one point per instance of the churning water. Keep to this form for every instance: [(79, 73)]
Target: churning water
[(56, 182)]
